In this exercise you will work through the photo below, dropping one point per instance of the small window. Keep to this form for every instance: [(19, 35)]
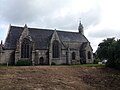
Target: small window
[(89, 55), (73, 56)]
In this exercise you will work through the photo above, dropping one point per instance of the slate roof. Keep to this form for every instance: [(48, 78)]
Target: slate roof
[(41, 37)]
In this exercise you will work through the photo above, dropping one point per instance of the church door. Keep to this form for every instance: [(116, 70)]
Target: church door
[(41, 61)]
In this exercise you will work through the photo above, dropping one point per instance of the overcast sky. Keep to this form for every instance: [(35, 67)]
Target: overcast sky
[(100, 18)]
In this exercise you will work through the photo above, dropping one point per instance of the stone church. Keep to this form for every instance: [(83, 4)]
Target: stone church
[(45, 46)]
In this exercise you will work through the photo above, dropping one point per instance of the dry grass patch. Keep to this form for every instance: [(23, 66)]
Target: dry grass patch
[(58, 78)]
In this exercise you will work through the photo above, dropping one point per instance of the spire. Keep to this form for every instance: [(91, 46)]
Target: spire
[(80, 28)]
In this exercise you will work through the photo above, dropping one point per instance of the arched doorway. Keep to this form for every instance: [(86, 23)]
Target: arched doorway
[(41, 61)]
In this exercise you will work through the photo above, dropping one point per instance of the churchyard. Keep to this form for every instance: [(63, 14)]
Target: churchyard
[(73, 77)]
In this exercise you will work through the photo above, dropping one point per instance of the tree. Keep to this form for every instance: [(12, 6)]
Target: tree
[(102, 51), (110, 49)]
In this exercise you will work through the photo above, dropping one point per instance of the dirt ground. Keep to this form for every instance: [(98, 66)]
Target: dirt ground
[(59, 78)]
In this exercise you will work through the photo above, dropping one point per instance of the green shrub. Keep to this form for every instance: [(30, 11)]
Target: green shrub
[(64, 64), (96, 61), (53, 63), (24, 63)]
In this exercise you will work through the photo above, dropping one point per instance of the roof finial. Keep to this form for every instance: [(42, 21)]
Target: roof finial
[(25, 26), (1, 42)]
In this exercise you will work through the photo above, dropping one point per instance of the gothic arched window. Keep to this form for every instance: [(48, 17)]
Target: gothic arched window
[(26, 49), (89, 55), (73, 55), (55, 49)]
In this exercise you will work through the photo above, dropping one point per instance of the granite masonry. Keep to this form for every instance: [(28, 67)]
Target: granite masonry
[(45, 46)]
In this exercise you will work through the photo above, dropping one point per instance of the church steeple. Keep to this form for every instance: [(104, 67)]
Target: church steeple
[(80, 28)]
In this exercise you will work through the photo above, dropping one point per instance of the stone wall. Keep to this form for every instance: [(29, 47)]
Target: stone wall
[(41, 54), (88, 48), (7, 56)]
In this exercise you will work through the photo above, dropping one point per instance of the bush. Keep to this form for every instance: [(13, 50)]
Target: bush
[(64, 64), (53, 63), (96, 61), (24, 63), (113, 64)]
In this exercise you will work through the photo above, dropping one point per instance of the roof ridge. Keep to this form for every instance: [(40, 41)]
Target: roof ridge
[(41, 36), (58, 30)]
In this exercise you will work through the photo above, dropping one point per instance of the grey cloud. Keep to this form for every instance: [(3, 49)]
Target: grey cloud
[(15, 11), (42, 13), (92, 17), (103, 33), (70, 22), (20, 11)]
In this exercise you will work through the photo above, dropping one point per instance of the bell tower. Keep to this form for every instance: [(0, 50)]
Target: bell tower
[(80, 28)]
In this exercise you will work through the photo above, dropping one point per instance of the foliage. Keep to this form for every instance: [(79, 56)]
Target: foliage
[(110, 49), (24, 63), (96, 61), (53, 63), (102, 51), (64, 64)]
